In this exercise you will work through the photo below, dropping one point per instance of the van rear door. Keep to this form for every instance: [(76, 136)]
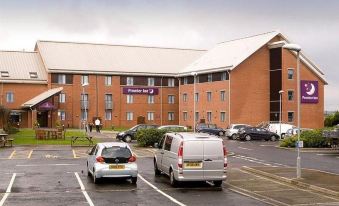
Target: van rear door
[(213, 161), (193, 159)]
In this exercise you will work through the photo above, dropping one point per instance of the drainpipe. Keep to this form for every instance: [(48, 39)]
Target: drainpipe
[(229, 97), (161, 101)]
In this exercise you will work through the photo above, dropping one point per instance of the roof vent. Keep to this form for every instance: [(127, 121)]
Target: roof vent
[(4, 74), (33, 75)]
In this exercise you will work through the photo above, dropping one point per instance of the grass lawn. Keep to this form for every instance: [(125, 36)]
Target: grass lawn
[(27, 137)]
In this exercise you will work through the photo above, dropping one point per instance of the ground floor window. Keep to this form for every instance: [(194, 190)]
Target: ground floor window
[(196, 116), (185, 116), (108, 114), (209, 116), (129, 116), (84, 114), (150, 116), (62, 115), (170, 116), (222, 116), (15, 117), (290, 116)]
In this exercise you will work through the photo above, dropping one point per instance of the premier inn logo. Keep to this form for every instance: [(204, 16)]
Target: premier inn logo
[(136, 90), (309, 91)]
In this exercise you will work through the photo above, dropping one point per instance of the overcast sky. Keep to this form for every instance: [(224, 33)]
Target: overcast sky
[(313, 24)]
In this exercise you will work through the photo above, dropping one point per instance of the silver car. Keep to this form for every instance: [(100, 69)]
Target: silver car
[(112, 159)]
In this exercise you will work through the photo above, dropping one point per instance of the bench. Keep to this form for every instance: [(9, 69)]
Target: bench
[(9, 142), (75, 139)]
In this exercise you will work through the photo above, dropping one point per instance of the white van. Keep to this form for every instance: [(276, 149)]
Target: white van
[(191, 157), (275, 127)]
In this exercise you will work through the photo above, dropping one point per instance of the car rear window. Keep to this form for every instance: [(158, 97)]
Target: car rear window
[(116, 152)]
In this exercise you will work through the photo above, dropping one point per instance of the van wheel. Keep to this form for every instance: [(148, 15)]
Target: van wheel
[(221, 133), (134, 180), (173, 181), (273, 138), (128, 138), (156, 170), (217, 183), (248, 137)]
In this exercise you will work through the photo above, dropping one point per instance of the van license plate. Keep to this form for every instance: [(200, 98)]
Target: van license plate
[(193, 164), (116, 167)]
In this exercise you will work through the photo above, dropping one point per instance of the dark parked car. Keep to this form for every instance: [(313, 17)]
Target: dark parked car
[(257, 133), (129, 135), (210, 129)]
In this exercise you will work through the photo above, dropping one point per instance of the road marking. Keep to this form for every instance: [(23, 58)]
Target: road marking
[(328, 154), (161, 192), (244, 148), (265, 145), (83, 189), (251, 159), (39, 165), (30, 154), (8, 191), (74, 154), (12, 154)]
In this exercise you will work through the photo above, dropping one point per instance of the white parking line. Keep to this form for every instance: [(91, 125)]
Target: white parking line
[(83, 189), (161, 192), (8, 191), (251, 159), (39, 165), (244, 148)]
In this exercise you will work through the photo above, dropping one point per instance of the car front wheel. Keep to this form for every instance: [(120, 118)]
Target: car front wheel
[(221, 133), (128, 138), (248, 137), (273, 138)]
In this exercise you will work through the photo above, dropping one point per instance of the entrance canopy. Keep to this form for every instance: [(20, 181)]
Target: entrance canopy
[(41, 97)]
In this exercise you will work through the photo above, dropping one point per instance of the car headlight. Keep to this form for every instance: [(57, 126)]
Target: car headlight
[(122, 133)]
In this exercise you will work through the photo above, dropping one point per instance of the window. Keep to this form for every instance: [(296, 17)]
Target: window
[(209, 78), (184, 97), (9, 97), (129, 81), (170, 116), (4, 74), (150, 116), (168, 143), (290, 73), (108, 101), (150, 81), (129, 99), (222, 96), (84, 79), (84, 114), (129, 116), (33, 75), (170, 99), (290, 95), (171, 82), (150, 99), (290, 116), (223, 76), (222, 116), (108, 114), (62, 115), (185, 80), (209, 116), (61, 79), (196, 97), (62, 98), (108, 80), (209, 96), (196, 116), (84, 101), (184, 116), (197, 79)]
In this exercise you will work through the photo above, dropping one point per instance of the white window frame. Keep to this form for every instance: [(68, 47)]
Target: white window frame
[(222, 95), (209, 116), (4, 74), (61, 78), (288, 98), (33, 75), (108, 80), (84, 79), (129, 99), (9, 97), (184, 115), (62, 115), (209, 96), (129, 116), (196, 97), (222, 116), (184, 97), (62, 98), (108, 114), (171, 99), (224, 76), (185, 80), (129, 81), (170, 116), (150, 81), (288, 75), (171, 82), (150, 99), (209, 78), (293, 116), (197, 116), (150, 116)]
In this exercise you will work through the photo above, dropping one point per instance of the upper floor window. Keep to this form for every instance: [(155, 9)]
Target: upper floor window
[(84, 79), (209, 96), (222, 116), (150, 116), (209, 116), (129, 81), (4, 74), (185, 116), (290, 73), (108, 80), (196, 97), (33, 75), (10, 97), (129, 99), (150, 99), (290, 116), (62, 98), (171, 82), (197, 79), (150, 81), (224, 76), (170, 99), (184, 97), (290, 95), (209, 78), (185, 80), (222, 96), (61, 78)]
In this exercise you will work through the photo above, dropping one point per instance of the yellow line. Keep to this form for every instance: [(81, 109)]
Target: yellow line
[(74, 154), (30, 154), (12, 154)]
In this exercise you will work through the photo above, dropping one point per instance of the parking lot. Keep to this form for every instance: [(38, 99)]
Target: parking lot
[(51, 175)]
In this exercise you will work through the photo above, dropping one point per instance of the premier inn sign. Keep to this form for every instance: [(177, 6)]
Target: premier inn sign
[(135, 90), (309, 91)]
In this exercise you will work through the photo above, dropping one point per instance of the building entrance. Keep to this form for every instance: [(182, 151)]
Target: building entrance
[(42, 118)]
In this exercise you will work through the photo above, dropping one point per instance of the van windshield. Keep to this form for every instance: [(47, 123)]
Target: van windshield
[(116, 152)]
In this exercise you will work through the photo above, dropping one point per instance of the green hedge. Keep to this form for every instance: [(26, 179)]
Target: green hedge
[(311, 139), (147, 137)]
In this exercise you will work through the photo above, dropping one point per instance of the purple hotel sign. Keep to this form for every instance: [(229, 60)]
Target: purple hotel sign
[(135, 90), (309, 91)]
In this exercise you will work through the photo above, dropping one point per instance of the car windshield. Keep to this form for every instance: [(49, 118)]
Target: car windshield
[(115, 152), (134, 128), (213, 126), (239, 126)]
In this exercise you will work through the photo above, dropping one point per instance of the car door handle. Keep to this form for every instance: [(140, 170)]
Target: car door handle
[(208, 160)]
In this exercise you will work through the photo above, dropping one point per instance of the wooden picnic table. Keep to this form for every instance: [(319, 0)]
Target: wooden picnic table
[(48, 133), (5, 140)]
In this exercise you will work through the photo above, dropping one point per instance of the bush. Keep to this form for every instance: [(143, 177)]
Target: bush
[(311, 138), (147, 137), (332, 119)]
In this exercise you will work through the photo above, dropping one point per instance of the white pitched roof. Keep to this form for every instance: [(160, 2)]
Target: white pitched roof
[(114, 59), (41, 97), (19, 64)]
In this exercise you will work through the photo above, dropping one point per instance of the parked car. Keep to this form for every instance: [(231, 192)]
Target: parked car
[(176, 128), (112, 159), (189, 156), (210, 129), (129, 135), (294, 131), (233, 129), (275, 127), (257, 133)]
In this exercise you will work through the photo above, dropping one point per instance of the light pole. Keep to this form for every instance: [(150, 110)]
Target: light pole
[(194, 74), (297, 48), (85, 104), (280, 115)]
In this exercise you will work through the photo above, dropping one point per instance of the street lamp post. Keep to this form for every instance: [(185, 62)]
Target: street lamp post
[(194, 74), (85, 104), (297, 48), (280, 115)]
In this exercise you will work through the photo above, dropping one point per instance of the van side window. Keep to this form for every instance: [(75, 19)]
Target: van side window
[(168, 143), (161, 143)]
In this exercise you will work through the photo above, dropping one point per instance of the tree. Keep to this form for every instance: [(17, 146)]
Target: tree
[(4, 118), (332, 120)]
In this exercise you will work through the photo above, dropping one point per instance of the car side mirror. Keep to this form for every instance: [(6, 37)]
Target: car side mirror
[(89, 152), (156, 145)]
